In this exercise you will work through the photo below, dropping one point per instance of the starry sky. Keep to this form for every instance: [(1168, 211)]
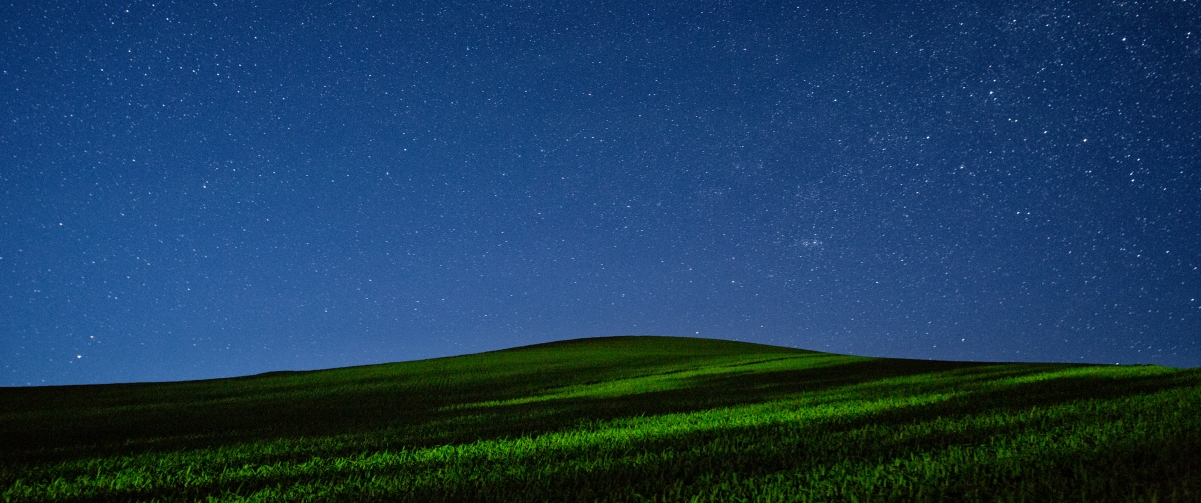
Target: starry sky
[(204, 189)]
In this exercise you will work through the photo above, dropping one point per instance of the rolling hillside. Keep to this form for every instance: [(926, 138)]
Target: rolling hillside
[(618, 419)]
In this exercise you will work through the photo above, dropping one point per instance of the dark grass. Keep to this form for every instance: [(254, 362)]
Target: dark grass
[(619, 419)]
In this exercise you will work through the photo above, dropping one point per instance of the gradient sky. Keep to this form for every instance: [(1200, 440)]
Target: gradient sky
[(205, 189)]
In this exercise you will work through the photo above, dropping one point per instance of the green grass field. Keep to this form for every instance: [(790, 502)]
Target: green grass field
[(618, 419)]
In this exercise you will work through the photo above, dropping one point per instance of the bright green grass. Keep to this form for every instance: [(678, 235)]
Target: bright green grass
[(619, 419)]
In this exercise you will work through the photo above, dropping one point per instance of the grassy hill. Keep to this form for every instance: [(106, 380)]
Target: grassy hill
[(619, 419)]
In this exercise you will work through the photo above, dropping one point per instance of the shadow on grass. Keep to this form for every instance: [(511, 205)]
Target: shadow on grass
[(982, 392), (730, 390), (407, 417)]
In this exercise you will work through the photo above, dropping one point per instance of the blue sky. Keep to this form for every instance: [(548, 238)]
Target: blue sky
[(196, 190)]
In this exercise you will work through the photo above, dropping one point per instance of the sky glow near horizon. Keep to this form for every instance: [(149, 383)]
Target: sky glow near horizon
[(196, 190)]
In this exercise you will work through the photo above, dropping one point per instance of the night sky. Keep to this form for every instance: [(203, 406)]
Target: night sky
[(205, 189)]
